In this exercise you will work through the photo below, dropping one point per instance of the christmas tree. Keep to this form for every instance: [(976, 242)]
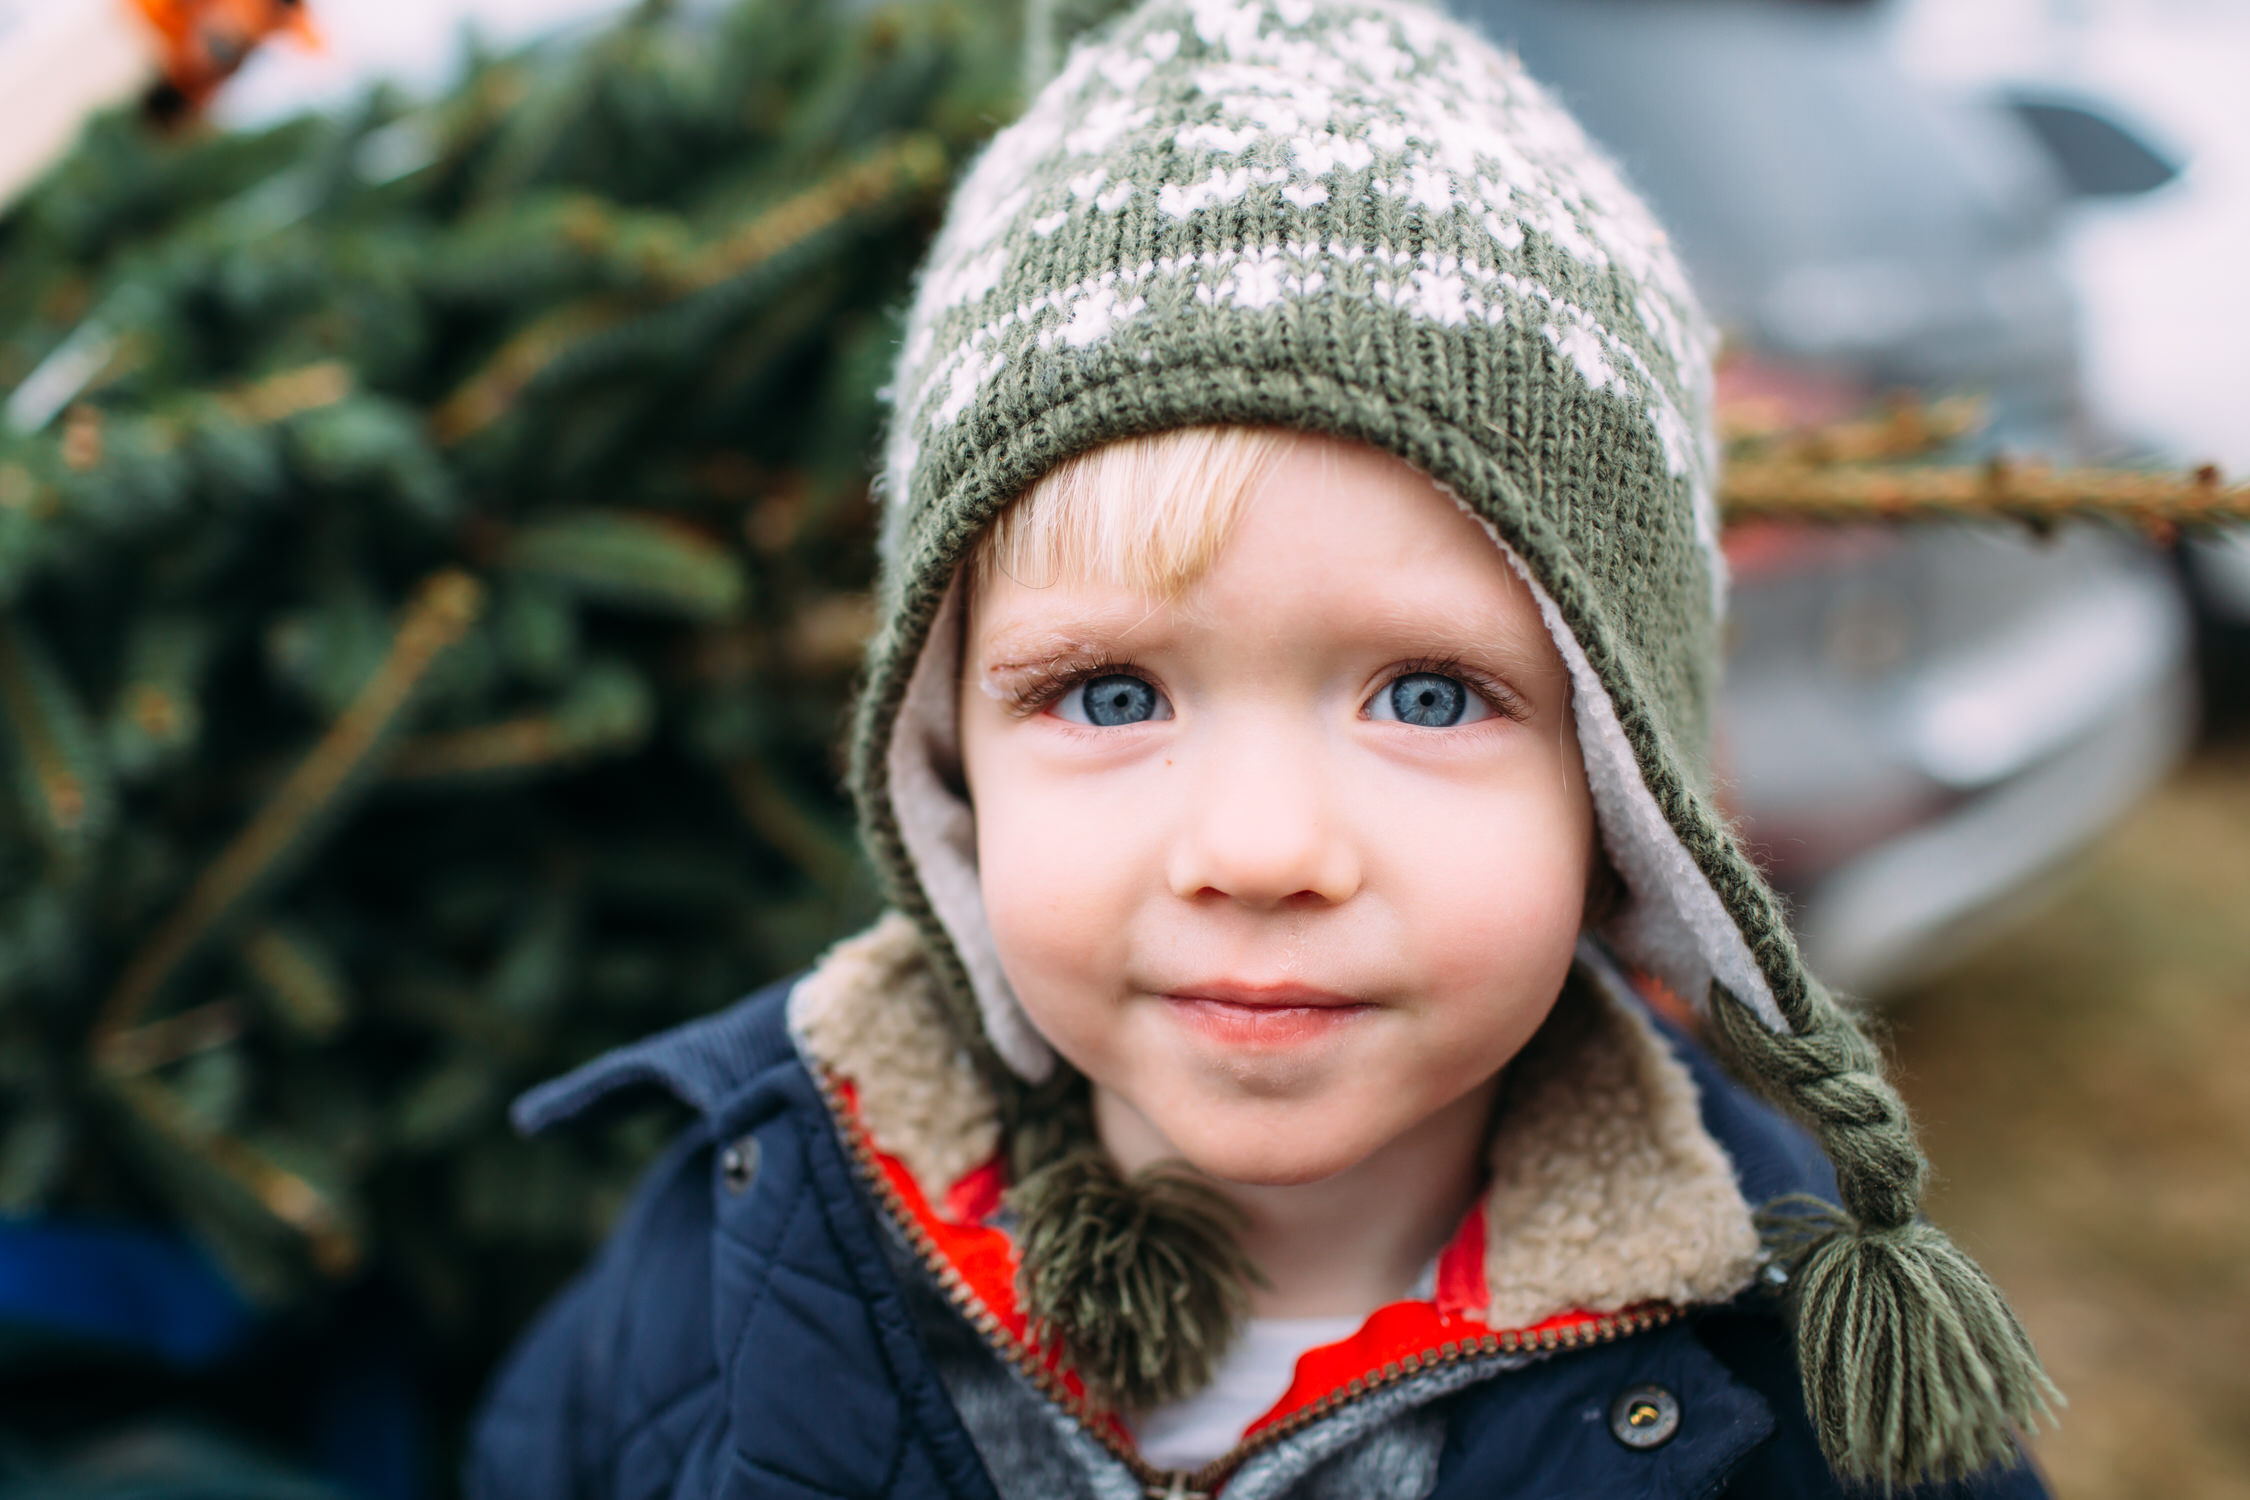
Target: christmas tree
[(433, 547)]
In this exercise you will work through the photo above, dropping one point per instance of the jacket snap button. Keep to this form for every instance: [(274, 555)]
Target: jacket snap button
[(1645, 1417), (738, 1164)]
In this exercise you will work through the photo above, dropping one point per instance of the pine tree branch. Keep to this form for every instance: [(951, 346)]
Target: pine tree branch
[(535, 742), (155, 1044), (300, 982), (493, 391), (61, 792), (291, 392), (639, 559), (778, 819), (65, 778), (908, 167), (309, 799), (284, 1194)]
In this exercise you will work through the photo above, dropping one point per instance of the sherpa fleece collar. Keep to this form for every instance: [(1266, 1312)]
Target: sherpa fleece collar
[(1607, 1195)]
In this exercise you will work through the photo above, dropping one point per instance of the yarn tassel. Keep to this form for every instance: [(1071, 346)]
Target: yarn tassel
[(1914, 1367), (1139, 1282)]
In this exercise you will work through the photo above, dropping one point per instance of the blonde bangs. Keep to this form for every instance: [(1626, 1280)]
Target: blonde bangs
[(1148, 513)]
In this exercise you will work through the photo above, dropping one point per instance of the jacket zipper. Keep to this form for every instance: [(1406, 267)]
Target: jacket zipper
[(1203, 1483)]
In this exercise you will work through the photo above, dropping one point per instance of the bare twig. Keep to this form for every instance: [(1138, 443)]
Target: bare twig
[(1907, 427), (2034, 494)]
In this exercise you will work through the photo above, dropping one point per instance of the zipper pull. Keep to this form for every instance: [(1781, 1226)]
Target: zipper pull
[(1178, 1490)]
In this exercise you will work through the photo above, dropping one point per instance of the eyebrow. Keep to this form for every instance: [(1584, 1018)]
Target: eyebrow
[(1091, 633), (1507, 654), (1033, 654), (1030, 652)]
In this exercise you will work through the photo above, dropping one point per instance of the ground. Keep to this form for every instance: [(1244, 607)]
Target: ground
[(2084, 1089)]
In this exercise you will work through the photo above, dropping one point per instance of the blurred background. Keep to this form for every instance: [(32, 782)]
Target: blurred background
[(433, 551)]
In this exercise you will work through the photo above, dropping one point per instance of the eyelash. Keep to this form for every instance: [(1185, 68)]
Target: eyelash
[(1505, 701), (1053, 682)]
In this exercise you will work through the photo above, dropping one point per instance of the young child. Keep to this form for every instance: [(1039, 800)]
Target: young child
[(1285, 746)]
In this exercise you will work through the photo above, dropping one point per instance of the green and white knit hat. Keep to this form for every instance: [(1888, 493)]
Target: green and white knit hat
[(1358, 218)]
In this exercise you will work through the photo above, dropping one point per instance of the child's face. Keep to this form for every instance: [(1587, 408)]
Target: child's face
[(1291, 862)]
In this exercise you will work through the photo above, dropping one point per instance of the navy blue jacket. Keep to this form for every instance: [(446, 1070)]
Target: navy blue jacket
[(743, 1333)]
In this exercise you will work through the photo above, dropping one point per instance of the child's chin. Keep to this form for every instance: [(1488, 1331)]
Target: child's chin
[(1269, 1158)]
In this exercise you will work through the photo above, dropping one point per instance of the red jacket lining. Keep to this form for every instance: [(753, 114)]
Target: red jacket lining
[(984, 1257)]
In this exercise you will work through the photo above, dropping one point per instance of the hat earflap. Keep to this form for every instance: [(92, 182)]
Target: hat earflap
[(1914, 1366)]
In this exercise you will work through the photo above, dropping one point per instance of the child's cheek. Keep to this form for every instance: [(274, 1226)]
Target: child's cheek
[(1486, 858), (1061, 873), (1482, 880)]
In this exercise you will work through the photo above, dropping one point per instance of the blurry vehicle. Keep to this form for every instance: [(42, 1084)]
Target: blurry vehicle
[(1917, 723)]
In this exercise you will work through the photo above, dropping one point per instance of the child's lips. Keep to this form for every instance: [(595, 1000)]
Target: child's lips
[(1279, 1015)]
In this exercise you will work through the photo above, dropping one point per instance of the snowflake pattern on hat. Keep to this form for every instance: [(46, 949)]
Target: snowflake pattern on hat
[(1363, 152)]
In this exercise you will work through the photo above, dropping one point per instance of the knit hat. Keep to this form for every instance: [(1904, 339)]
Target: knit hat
[(1357, 218)]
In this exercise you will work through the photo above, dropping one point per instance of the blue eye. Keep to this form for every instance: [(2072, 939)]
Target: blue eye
[(1429, 700), (1112, 700)]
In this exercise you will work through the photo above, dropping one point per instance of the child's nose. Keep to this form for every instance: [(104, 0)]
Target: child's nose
[(1256, 827)]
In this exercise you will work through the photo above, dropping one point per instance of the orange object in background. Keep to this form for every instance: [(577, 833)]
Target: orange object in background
[(63, 61), (204, 41)]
